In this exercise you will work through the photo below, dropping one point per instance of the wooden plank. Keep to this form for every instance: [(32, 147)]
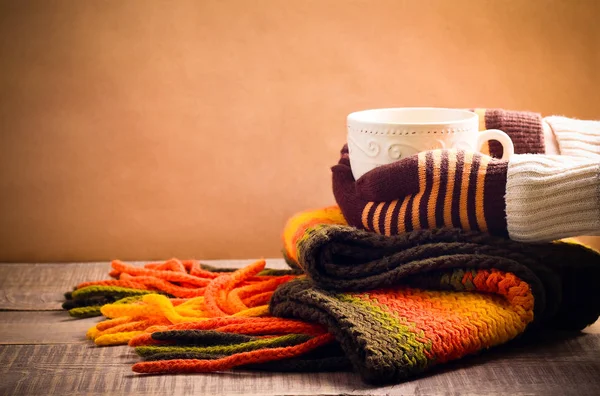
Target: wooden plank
[(75, 370), (570, 366), (43, 327), (63, 363), (42, 286)]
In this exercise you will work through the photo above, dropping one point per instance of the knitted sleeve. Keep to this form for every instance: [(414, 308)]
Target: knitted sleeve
[(577, 138), (524, 128), (552, 197)]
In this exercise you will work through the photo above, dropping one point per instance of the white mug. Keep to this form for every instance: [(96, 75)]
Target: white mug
[(382, 136)]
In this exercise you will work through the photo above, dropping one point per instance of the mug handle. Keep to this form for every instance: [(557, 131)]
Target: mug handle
[(508, 149)]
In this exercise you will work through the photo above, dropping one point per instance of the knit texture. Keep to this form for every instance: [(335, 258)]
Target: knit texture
[(296, 226), (439, 188), (552, 197), (576, 138), (530, 198), (169, 293), (394, 306), (524, 128), (420, 308), (388, 307)]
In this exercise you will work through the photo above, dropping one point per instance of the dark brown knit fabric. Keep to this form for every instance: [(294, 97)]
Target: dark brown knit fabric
[(440, 188), (354, 276), (342, 258), (524, 128)]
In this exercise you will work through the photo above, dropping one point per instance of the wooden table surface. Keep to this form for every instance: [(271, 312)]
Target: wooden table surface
[(43, 351)]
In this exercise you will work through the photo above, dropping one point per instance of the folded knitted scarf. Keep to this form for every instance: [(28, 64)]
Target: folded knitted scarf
[(387, 307), (399, 305)]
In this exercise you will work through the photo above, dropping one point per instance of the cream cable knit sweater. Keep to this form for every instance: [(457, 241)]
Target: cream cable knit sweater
[(550, 197)]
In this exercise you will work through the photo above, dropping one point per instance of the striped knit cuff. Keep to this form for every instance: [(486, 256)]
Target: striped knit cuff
[(524, 128), (577, 138), (552, 197)]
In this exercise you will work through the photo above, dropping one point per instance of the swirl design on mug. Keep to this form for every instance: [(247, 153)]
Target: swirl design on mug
[(397, 151), (372, 149)]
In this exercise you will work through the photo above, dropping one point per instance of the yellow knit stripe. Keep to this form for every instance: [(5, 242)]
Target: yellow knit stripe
[(365, 215), (261, 310), (117, 338), (479, 207), (499, 311), (464, 190), (297, 224), (402, 214), (376, 218), (388, 217), (437, 160), (155, 305), (450, 188), (422, 181)]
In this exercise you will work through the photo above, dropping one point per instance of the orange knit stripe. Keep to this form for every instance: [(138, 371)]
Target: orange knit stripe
[(214, 323), (189, 264), (464, 191), (199, 272), (416, 222), (121, 267), (296, 226), (162, 285), (235, 302), (170, 265), (258, 299), (273, 328), (479, 191), (106, 324), (437, 161), (402, 215), (517, 292), (247, 272), (193, 268), (212, 298), (365, 215), (178, 301), (388, 217), (114, 282), (215, 295), (300, 232), (450, 188), (133, 326), (228, 362), (154, 265), (376, 218), (145, 339), (186, 285), (236, 296)]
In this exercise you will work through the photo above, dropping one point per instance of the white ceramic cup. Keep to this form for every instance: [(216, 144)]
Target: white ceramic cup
[(382, 136)]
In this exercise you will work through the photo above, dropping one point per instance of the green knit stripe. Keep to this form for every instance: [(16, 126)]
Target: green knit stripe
[(311, 236), (85, 312), (275, 342), (116, 291), (399, 335), (94, 310), (129, 300)]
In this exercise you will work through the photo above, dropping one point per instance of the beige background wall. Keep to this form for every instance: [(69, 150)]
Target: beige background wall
[(153, 129)]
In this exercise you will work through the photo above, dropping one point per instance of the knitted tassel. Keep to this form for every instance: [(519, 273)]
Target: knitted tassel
[(388, 307)]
